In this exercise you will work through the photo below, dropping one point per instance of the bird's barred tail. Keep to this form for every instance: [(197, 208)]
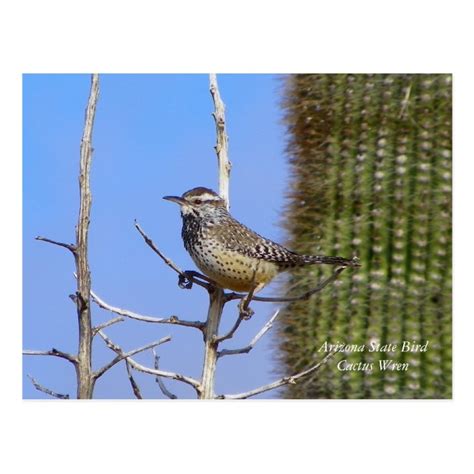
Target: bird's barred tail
[(346, 262)]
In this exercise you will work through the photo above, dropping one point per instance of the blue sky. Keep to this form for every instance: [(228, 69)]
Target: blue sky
[(154, 136)]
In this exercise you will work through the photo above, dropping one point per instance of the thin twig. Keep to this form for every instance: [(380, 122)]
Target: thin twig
[(260, 334), (123, 355), (158, 380), (47, 390), (278, 383), (106, 324), (54, 353), (234, 328), (277, 299), (135, 387), (148, 319), (184, 276), (161, 373), (70, 247)]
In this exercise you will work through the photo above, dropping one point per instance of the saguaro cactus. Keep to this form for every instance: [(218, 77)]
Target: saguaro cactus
[(371, 176)]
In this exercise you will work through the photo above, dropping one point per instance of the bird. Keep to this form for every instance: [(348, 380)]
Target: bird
[(229, 253)]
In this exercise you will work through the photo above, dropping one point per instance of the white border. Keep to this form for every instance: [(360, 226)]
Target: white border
[(205, 36)]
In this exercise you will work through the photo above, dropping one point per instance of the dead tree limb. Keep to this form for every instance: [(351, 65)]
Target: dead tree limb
[(83, 361), (85, 378)]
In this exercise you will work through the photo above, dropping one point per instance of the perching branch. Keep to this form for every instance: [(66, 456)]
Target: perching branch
[(247, 349), (184, 276), (280, 382), (123, 355), (47, 390)]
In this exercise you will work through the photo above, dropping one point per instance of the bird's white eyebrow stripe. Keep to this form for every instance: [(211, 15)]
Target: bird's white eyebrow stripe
[(206, 197)]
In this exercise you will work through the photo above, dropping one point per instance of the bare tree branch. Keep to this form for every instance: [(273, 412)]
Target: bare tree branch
[(158, 380), (278, 383), (135, 387), (47, 390), (85, 379), (183, 276), (222, 140), (247, 349), (83, 361), (123, 355), (53, 352), (106, 324), (161, 373), (70, 247), (148, 319)]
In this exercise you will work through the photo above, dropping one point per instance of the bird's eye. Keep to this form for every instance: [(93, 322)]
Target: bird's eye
[(198, 201)]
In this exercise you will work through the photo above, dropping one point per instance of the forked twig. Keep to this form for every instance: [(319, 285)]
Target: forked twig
[(121, 355), (141, 368)]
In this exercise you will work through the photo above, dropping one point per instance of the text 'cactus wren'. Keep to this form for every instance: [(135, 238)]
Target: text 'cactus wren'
[(228, 252)]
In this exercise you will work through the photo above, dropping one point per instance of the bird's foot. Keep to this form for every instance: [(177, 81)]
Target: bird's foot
[(185, 281), (245, 311)]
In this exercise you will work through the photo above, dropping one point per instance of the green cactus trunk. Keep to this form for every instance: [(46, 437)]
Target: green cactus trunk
[(371, 176)]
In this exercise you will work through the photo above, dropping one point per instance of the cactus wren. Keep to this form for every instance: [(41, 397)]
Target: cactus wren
[(228, 252)]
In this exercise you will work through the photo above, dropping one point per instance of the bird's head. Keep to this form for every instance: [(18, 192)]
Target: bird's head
[(199, 202)]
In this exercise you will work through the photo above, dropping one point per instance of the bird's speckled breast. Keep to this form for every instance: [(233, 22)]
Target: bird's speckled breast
[(232, 270)]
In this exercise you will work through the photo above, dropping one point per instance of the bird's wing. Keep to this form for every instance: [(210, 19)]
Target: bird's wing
[(244, 240)]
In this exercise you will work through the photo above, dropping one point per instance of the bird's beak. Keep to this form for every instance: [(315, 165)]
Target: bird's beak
[(176, 199)]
